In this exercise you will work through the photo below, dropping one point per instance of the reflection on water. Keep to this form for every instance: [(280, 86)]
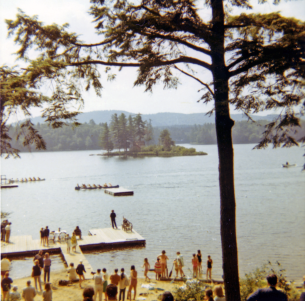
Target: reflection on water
[(175, 206)]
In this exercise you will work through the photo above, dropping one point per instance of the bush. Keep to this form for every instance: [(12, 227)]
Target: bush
[(193, 290), (257, 279)]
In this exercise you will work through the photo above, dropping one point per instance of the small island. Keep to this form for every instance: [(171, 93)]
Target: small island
[(158, 151), (133, 134)]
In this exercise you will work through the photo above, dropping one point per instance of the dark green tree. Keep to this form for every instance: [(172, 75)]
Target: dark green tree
[(256, 62), (139, 126), (166, 140), (123, 136), (115, 131), (106, 142), (131, 130), (149, 132)]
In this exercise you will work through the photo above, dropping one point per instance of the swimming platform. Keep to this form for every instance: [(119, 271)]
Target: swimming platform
[(98, 239)]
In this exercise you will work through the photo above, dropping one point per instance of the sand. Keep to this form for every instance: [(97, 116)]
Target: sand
[(74, 293)]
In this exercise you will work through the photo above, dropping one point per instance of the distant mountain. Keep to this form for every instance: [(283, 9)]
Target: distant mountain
[(159, 119)]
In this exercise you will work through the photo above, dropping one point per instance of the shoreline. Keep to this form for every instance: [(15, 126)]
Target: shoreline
[(73, 292)]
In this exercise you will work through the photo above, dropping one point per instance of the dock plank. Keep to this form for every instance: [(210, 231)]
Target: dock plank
[(76, 257)]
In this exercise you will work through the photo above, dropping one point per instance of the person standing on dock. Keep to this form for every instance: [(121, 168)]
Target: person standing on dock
[(7, 232), (112, 217), (46, 236), (73, 242), (42, 236), (80, 272), (209, 267), (3, 224)]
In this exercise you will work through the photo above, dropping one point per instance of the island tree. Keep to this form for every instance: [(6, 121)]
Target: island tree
[(106, 142), (256, 62), (165, 140)]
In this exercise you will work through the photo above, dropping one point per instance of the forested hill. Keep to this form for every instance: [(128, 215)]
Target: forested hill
[(87, 136), (159, 119)]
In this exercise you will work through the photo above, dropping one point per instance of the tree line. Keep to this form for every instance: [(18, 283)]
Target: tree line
[(132, 132)]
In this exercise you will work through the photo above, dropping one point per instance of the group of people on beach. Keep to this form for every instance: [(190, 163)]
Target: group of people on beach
[(161, 268), (42, 263), (106, 285)]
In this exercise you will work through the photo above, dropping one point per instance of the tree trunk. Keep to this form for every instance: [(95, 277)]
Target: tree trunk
[(224, 126)]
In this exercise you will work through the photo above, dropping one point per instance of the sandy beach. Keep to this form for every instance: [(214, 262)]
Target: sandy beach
[(74, 293)]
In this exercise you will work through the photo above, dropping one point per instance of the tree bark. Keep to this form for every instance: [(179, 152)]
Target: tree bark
[(224, 125)]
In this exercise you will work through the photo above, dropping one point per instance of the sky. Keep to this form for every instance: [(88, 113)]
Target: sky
[(120, 94)]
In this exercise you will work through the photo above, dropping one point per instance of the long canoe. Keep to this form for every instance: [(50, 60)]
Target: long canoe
[(88, 188)]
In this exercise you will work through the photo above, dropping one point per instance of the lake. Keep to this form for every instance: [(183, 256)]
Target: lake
[(175, 206)]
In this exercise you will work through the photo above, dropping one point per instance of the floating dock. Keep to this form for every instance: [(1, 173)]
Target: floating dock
[(8, 186), (118, 191), (99, 239)]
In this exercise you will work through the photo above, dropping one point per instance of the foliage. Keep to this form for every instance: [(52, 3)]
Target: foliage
[(76, 138), (160, 150), (4, 214), (106, 142), (193, 290), (165, 140), (257, 279)]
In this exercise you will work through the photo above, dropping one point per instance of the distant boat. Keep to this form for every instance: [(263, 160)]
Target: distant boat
[(96, 187), (25, 181), (286, 165)]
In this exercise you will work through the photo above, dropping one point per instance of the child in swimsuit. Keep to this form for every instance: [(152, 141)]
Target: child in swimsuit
[(146, 267), (195, 265)]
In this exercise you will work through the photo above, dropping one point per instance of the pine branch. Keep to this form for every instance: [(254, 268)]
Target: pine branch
[(175, 39), (156, 63), (197, 79)]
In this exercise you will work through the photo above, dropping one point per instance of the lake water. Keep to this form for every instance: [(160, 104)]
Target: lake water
[(175, 206)]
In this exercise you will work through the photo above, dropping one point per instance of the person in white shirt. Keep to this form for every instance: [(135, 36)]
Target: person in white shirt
[(7, 232), (123, 283), (98, 285), (5, 266), (72, 272)]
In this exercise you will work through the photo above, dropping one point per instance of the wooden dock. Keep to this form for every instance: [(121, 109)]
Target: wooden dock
[(99, 239), (118, 191)]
